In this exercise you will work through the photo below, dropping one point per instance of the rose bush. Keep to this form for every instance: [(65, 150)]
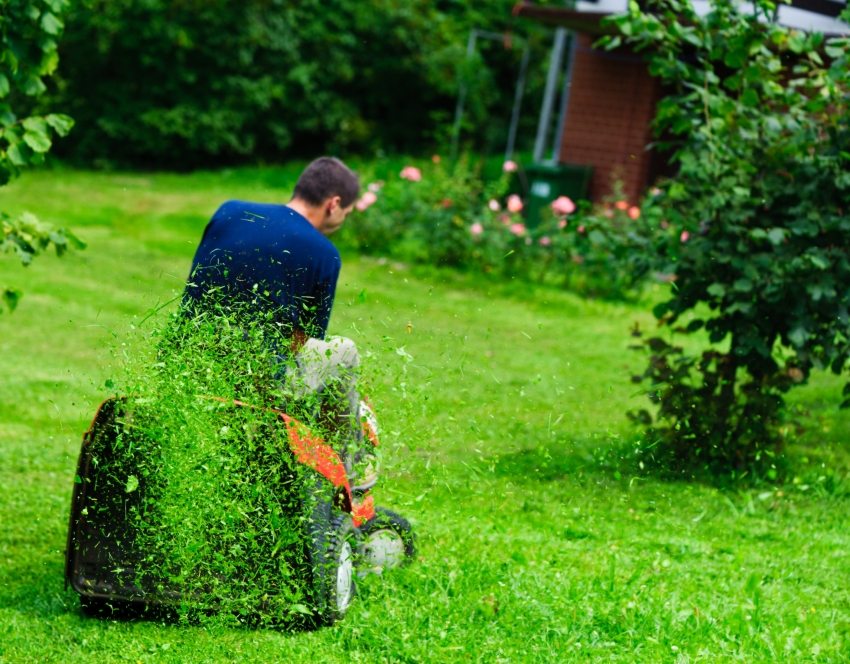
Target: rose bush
[(447, 214), (757, 118)]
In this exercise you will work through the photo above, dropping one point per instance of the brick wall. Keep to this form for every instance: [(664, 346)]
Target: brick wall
[(611, 104)]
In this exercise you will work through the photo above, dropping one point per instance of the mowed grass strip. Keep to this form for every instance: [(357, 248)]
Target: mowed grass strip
[(503, 415)]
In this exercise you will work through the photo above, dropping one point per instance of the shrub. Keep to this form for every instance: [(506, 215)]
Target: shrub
[(603, 251), (448, 215), (758, 116)]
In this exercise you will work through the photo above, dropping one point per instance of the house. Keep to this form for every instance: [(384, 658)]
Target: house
[(608, 99)]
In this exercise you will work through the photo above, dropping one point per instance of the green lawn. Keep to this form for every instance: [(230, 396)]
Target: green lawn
[(503, 408)]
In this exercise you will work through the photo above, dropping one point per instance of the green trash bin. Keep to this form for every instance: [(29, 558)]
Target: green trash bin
[(540, 184)]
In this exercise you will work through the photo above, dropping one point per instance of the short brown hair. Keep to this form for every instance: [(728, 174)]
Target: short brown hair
[(325, 177)]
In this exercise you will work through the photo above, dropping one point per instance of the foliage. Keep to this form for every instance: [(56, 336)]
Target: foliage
[(29, 32), (758, 118), (449, 215), (26, 237), (185, 84), (604, 251)]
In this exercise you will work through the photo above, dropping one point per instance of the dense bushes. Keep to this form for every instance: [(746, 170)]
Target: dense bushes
[(448, 215), (759, 119), (183, 83)]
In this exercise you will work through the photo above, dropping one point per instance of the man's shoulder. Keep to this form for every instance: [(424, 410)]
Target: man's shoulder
[(248, 210)]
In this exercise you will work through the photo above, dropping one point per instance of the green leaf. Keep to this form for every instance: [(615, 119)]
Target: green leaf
[(35, 124), (833, 51), (776, 236), (49, 63), (33, 86), (613, 42), (798, 336), (743, 285), (797, 41), (132, 484), (62, 124), (7, 118), (734, 58), (38, 141), (4, 85), (51, 24), (750, 98), (16, 155), (818, 261), (716, 290), (10, 298), (300, 608)]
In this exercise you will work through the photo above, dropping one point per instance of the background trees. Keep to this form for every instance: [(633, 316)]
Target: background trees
[(183, 83)]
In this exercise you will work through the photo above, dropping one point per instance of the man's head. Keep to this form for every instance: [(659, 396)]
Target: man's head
[(325, 193)]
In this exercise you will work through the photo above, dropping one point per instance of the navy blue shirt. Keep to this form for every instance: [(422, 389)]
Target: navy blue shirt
[(271, 256)]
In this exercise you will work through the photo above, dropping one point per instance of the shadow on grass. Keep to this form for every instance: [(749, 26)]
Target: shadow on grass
[(559, 460), (37, 591), (820, 470)]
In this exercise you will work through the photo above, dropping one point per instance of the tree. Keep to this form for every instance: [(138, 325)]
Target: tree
[(759, 120), (194, 83), (29, 30)]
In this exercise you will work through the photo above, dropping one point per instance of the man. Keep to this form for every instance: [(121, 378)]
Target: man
[(277, 259)]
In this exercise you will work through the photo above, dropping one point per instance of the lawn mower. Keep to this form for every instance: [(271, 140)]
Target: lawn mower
[(341, 534)]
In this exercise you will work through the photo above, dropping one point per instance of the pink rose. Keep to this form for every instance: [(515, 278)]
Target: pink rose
[(494, 205), (366, 200), (505, 219), (375, 187), (510, 166), (563, 205), (634, 212), (411, 173), (621, 205), (545, 241), (517, 229), (476, 229), (514, 203), (684, 236), (580, 229), (562, 224)]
